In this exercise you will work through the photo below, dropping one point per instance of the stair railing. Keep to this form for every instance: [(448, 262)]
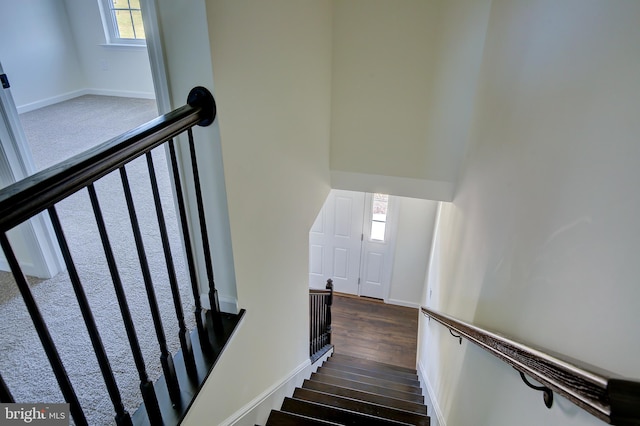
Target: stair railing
[(608, 396), (320, 302), (42, 191)]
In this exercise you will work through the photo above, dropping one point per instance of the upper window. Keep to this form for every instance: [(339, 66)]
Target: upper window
[(122, 20)]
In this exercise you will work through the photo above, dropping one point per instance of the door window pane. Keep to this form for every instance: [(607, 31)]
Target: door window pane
[(380, 203)]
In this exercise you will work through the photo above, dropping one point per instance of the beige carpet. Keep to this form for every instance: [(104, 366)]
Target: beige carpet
[(56, 133)]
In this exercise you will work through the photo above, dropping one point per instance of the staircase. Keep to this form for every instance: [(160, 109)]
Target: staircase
[(353, 391)]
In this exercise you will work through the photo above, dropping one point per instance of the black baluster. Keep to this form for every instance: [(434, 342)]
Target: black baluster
[(146, 385), (204, 340), (43, 333), (165, 357), (183, 333), (323, 311), (317, 323), (122, 416), (5, 394), (329, 303), (213, 293), (310, 324)]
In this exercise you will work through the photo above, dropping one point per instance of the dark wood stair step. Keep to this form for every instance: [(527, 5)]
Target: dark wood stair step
[(400, 404), (366, 363), (371, 380), (371, 373), (334, 414), (280, 418), (361, 407), (366, 387)]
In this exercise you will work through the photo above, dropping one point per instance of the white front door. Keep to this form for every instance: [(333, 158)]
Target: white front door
[(377, 245), (335, 242), (352, 242)]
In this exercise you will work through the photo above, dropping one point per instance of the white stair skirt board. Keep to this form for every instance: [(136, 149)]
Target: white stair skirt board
[(428, 392), (258, 410)]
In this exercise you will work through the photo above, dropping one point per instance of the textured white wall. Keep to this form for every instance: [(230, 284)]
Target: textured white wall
[(541, 239), (272, 75)]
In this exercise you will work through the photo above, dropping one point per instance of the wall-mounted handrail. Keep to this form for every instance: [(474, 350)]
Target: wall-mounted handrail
[(608, 396)]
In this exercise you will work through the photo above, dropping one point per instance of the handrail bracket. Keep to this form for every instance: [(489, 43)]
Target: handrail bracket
[(547, 393)]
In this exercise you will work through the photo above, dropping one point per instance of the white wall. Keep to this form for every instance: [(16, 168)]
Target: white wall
[(188, 65), (37, 50), (108, 70), (541, 239), (272, 75), (54, 50), (416, 220), (403, 83), (383, 56)]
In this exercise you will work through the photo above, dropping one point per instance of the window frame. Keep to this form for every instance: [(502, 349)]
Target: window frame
[(110, 27)]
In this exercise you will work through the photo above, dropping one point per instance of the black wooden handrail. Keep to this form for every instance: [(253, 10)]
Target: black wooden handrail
[(166, 401), (28, 197), (608, 396)]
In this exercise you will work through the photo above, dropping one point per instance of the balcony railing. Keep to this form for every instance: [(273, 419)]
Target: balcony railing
[(165, 401), (320, 302)]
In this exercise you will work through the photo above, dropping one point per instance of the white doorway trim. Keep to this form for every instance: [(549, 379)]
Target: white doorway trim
[(34, 241)]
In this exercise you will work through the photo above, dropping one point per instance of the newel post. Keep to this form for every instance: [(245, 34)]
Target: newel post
[(329, 302)]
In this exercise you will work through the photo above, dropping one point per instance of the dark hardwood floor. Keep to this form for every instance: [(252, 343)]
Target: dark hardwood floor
[(371, 329)]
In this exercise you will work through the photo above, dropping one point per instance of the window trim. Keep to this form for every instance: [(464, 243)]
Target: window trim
[(110, 27)]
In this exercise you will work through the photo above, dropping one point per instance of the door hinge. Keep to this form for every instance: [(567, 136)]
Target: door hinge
[(5, 81), (358, 280), (361, 237)]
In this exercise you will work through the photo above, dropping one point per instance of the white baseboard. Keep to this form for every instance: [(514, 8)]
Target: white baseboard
[(27, 268), (50, 101), (74, 94), (403, 303), (121, 93), (429, 394), (257, 411)]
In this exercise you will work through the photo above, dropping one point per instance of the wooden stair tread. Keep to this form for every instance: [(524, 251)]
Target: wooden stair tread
[(414, 407), (361, 407), (351, 391), (366, 387), (365, 372), (334, 414), (348, 359), (280, 418), (370, 379)]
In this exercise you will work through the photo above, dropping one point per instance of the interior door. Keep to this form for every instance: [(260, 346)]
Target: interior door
[(335, 242), (33, 241)]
